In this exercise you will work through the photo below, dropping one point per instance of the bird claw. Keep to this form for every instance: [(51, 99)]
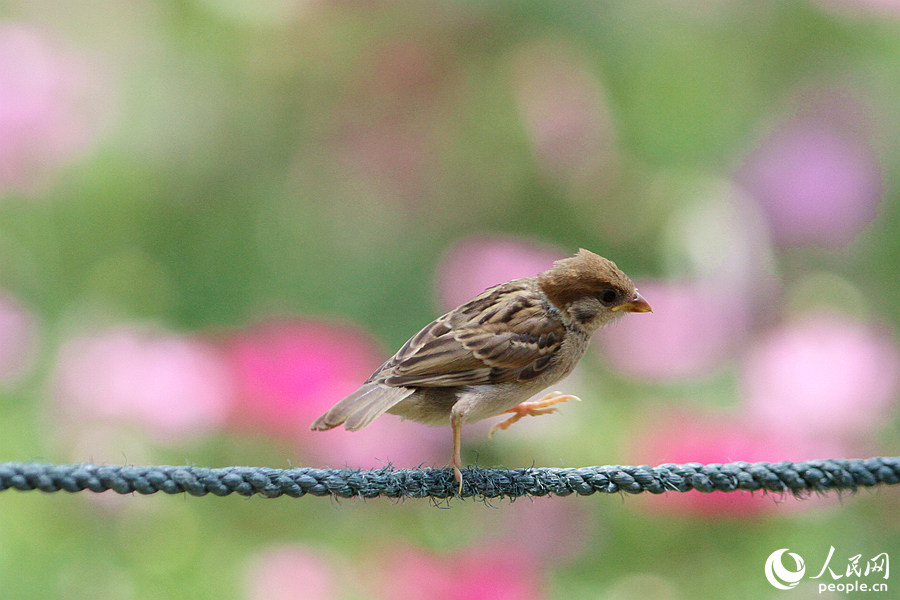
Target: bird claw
[(532, 409)]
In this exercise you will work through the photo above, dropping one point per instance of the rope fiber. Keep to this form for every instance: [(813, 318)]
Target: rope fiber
[(799, 479)]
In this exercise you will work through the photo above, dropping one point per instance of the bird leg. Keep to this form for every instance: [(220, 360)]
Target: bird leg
[(456, 461), (532, 409)]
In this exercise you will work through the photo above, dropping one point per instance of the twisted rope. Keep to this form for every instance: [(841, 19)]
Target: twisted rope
[(800, 479)]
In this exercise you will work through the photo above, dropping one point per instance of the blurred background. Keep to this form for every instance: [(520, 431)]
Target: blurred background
[(217, 217)]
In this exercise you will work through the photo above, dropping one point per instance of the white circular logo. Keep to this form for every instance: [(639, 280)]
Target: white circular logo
[(780, 577)]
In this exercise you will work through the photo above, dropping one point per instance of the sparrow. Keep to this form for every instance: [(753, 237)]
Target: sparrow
[(488, 356)]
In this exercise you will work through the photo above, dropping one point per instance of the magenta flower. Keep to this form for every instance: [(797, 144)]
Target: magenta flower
[(818, 181), (171, 386), (823, 377), (484, 573), (288, 373), (475, 264), (692, 331), (289, 572), (48, 113), (18, 340)]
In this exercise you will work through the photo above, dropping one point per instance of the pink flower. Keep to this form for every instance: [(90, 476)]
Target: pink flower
[(18, 340), (692, 331), (823, 377), (48, 112), (475, 264), (485, 573), (817, 179), (171, 386), (548, 530), (719, 244), (288, 373), (289, 572), (682, 437)]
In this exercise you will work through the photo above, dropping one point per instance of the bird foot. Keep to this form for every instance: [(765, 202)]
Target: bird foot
[(456, 459), (532, 409), (457, 474)]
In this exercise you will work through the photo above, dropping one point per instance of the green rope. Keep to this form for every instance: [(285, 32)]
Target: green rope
[(799, 479)]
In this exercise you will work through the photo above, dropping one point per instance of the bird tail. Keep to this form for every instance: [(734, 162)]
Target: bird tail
[(361, 407)]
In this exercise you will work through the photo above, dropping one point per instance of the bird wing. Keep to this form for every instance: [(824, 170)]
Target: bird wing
[(506, 334)]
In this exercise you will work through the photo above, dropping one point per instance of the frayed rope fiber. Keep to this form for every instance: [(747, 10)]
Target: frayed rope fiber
[(800, 479)]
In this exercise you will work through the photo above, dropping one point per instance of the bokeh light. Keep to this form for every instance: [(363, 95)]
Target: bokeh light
[(219, 217), (50, 106)]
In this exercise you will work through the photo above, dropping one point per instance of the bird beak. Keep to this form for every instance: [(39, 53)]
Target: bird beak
[(636, 304)]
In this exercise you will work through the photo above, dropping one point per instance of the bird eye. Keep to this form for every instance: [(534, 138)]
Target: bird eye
[(608, 296)]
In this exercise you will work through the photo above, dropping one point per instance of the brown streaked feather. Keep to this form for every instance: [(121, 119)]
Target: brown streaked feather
[(483, 341)]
